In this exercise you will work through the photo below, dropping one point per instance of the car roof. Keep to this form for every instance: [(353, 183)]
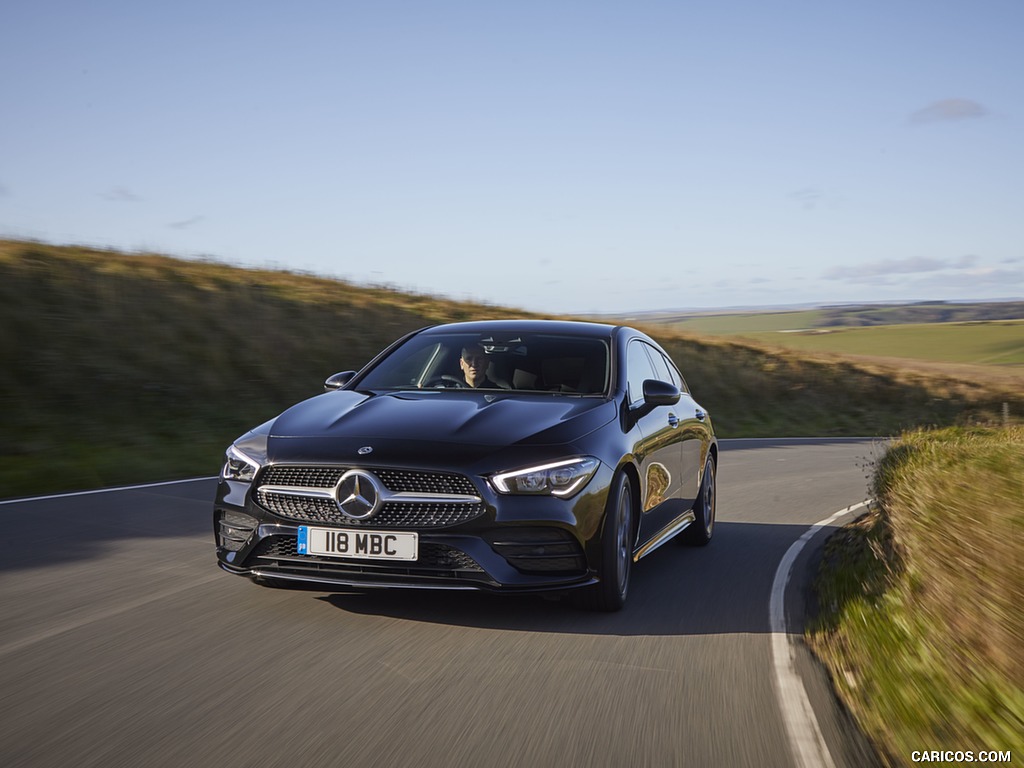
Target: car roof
[(573, 327)]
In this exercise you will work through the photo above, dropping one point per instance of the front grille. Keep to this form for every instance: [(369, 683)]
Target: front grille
[(414, 481), (303, 477), (434, 560), (419, 513), (397, 480), (391, 515)]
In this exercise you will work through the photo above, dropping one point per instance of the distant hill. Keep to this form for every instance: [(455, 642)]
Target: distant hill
[(121, 367), (832, 316), (926, 312)]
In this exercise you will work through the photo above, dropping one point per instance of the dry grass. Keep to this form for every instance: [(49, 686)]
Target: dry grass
[(922, 621)]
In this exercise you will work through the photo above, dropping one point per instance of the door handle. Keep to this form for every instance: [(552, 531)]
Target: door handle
[(701, 415), (673, 420)]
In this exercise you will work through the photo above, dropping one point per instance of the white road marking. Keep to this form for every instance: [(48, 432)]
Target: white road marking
[(103, 490), (805, 739)]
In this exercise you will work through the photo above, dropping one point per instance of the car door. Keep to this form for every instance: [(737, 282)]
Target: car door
[(656, 446), (693, 433)]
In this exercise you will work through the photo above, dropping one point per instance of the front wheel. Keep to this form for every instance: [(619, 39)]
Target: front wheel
[(609, 594), (700, 531)]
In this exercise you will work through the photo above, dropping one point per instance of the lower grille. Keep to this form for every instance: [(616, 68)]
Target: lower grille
[(435, 560), (539, 550)]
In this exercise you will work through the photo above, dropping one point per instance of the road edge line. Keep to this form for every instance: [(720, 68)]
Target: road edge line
[(806, 742), (104, 490)]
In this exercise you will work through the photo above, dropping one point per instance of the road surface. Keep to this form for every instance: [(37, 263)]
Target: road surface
[(122, 644)]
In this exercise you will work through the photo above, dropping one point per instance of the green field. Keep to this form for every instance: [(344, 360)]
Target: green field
[(979, 342), (747, 323)]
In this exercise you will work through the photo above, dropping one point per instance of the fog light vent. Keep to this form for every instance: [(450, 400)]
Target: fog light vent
[(234, 530), (539, 550)]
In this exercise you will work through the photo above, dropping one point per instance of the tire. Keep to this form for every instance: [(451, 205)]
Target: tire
[(609, 594), (703, 528)]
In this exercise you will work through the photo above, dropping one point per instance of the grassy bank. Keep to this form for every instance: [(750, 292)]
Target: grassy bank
[(121, 368), (920, 601)]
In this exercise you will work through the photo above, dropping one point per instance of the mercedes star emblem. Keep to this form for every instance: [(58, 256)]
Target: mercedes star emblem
[(357, 494)]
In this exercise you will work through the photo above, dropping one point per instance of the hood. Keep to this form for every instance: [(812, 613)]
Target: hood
[(490, 419)]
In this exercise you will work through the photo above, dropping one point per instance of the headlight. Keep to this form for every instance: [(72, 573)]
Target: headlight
[(238, 466), (558, 478)]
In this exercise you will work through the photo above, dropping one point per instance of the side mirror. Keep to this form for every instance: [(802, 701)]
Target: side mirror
[(338, 380), (660, 393)]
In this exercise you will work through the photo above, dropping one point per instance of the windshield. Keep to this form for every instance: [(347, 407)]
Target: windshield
[(520, 362)]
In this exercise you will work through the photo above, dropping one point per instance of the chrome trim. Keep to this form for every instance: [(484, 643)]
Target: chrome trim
[(402, 497), (276, 529), (408, 497), (665, 534), (297, 490)]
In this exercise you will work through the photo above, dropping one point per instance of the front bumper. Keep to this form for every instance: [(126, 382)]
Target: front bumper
[(516, 544)]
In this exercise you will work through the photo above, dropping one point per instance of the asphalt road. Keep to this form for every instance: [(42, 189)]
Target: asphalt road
[(122, 644)]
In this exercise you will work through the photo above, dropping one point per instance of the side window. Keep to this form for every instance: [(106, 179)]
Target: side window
[(638, 369), (660, 366), (677, 377)]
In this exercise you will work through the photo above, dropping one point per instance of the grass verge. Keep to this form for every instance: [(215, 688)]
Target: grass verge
[(920, 601)]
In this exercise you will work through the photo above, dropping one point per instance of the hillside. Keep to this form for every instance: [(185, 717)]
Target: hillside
[(123, 367)]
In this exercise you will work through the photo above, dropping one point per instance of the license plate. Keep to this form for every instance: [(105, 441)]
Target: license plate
[(363, 545)]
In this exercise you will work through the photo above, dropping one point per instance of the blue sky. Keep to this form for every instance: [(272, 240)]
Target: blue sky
[(555, 156)]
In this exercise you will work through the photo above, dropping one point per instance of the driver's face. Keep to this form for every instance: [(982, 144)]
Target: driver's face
[(474, 366)]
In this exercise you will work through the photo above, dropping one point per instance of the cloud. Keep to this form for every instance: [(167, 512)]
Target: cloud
[(947, 110), (962, 274), (965, 262), (187, 222), (808, 197), (1006, 281), (868, 272), (120, 195), (4, 191)]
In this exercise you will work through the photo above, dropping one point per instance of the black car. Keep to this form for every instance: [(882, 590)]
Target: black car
[(517, 455)]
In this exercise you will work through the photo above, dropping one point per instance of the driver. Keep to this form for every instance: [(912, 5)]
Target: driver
[(474, 364)]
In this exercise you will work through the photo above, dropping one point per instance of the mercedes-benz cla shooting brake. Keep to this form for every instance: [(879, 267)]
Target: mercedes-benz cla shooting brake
[(502, 455)]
